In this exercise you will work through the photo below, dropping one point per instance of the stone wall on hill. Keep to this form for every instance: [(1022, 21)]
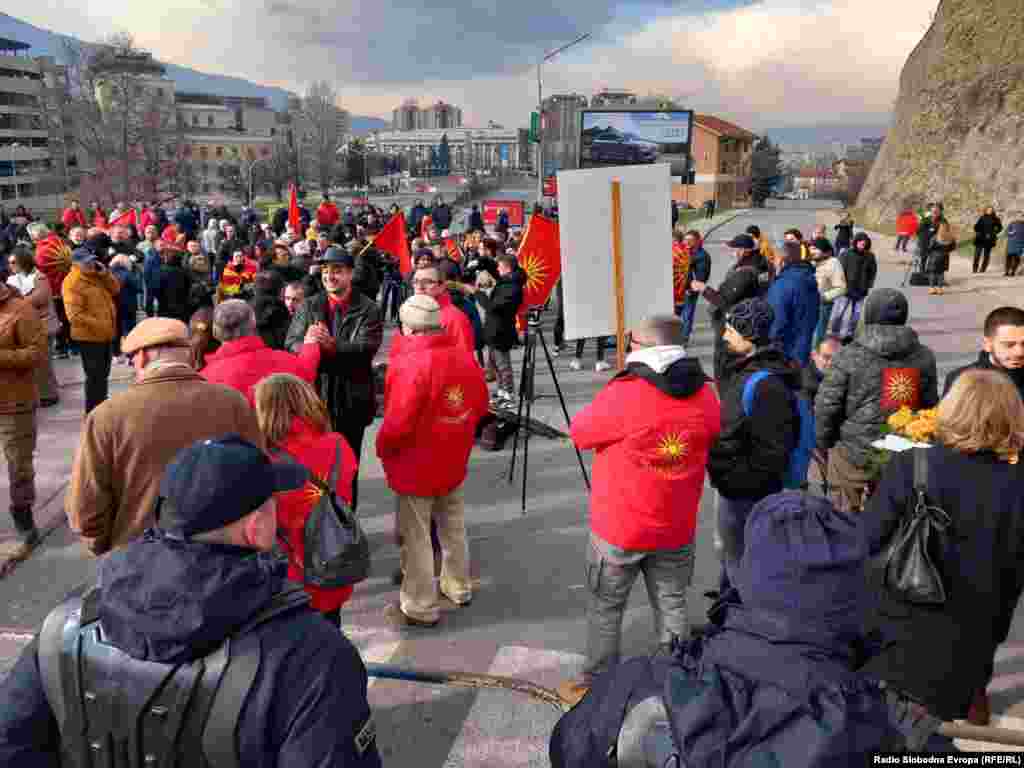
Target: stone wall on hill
[(958, 126)]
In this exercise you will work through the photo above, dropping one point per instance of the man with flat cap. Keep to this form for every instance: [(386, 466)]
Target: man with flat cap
[(127, 440), (194, 649), (347, 327)]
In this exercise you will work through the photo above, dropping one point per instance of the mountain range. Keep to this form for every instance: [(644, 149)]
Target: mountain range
[(47, 43)]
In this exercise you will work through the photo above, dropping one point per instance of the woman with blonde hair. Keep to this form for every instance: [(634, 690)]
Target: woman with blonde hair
[(942, 655), (296, 424)]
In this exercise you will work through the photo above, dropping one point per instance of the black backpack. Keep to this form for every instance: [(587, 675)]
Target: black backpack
[(118, 711), (337, 553)]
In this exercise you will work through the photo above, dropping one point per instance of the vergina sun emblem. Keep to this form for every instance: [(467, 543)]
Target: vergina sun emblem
[(901, 388), (536, 270), (454, 397)]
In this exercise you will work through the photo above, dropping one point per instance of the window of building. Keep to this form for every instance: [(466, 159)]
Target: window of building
[(219, 152), (206, 189), (195, 120), (7, 192), (18, 100), (26, 190), (159, 93), (209, 120), (273, 131), (40, 142), (138, 90), (203, 152)]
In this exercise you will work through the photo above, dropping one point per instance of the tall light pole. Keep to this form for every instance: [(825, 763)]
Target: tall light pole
[(540, 111), (252, 167), (14, 171)]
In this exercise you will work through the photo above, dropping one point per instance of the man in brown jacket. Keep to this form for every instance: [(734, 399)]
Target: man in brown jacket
[(22, 349), (88, 293), (128, 440)]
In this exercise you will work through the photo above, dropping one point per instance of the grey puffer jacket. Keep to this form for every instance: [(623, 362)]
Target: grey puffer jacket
[(849, 409)]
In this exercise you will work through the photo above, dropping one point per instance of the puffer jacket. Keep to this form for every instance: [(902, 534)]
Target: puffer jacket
[(1015, 237), (860, 268), (22, 348), (750, 458), (89, 303), (793, 296), (885, 367)]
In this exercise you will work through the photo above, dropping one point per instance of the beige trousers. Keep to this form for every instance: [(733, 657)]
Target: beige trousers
[(419, 595), (850, 483)]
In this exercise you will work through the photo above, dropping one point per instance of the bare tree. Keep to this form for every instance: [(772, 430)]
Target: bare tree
[(319, 130), (277, 169), (124, 123)]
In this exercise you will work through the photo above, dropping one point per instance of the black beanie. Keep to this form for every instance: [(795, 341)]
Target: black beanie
[(886, 306)]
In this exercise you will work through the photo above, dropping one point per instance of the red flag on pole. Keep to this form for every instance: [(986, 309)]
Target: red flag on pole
[(294, 220), (540, 256), (425, 224), (454, 252), (391, 239), (126, 219)]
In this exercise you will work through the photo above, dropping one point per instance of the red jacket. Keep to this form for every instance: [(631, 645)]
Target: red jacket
[(315, 450), (906, 223), (327, 215), (651, 450), (73, 218), (148, 217), (242, 363), (456, 324), (434, 397)]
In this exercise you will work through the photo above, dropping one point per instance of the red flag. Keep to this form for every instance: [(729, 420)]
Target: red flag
[(540, 256), (425, 223), (454, 252), (126, 219), (294, 220), (391, 239)]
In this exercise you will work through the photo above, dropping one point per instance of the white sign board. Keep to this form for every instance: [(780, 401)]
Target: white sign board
[(585, 225)]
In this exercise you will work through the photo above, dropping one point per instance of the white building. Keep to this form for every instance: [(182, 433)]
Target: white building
[(470, 148)]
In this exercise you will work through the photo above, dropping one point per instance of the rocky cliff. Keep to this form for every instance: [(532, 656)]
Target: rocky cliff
[(958, 125)]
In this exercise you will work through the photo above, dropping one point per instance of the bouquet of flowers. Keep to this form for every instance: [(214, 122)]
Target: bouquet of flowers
[(904, 429)]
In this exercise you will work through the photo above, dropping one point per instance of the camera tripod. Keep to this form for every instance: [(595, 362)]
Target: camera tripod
[(527, 381)]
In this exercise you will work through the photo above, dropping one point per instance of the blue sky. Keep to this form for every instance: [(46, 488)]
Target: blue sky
[(763, 64)]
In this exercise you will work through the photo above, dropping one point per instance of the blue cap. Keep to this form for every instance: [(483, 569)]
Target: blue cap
[(213, 483), (83, 256)]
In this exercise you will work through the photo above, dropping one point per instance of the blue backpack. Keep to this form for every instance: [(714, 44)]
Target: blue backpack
[(800, 458)]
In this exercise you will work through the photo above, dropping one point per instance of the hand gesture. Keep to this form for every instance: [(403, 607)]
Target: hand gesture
[(698, 286)]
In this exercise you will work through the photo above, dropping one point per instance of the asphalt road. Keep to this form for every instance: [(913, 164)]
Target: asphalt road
[(528, 615)]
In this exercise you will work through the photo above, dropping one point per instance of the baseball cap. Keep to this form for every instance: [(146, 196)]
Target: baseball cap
[(213, 483), (746, 242), (83, 256)]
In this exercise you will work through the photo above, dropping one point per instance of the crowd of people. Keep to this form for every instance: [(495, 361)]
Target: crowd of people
[(255, 384)]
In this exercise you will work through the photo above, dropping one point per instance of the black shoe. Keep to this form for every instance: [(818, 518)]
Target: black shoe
[(48, 402)]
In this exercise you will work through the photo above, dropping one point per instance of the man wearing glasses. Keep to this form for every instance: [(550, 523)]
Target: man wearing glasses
[(457, 325), (128, 440), (347, 327)]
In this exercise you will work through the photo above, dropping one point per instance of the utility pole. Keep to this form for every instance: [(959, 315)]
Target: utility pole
[(540, 111)]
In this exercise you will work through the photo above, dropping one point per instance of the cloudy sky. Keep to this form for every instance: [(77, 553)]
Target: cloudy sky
[(763, 63)]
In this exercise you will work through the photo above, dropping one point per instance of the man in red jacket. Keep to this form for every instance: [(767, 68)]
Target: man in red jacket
[(73, 216), (651, 429), (434, 395), (327, 214), (428, 281), (243, 358)]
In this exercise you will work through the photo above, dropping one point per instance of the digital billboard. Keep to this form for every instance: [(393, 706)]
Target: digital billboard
[(628, 137)]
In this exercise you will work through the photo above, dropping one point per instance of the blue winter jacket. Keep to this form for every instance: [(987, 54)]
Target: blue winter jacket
[(795, 300), (173, 601), (1015, 237), (131, 287)]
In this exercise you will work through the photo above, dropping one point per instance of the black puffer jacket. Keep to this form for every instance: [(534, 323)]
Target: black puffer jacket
[(501, 307), (860, 268), (849, 410), (750, 458)]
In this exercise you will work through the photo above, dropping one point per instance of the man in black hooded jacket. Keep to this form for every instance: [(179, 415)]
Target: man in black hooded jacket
[(179, 596), (1002, 348)]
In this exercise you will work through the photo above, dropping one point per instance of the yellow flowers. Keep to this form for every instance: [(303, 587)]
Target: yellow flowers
[(918, 426)]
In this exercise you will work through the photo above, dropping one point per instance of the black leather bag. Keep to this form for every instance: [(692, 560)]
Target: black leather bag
[(914, 557), (337, 553)]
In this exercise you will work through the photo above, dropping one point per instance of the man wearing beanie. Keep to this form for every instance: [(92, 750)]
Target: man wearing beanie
[(776, 682), (434, 396), (651, 429), (176, 631), (128, 440), (885, 368), (793, 295), (751, 457), (831, 279)]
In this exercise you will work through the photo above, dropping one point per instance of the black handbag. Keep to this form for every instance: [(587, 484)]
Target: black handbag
[(337, 553), (914, 557)]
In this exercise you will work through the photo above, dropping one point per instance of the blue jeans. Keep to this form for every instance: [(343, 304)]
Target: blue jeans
[(823, 317), (732, 519), (686, 311)]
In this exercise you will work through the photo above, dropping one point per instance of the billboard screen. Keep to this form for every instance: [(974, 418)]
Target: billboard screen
[(627, 137), (515, 209)]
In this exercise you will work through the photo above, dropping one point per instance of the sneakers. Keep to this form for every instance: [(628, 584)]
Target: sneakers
[(575, 365), (394, 614), (572, 691), (602, 366)]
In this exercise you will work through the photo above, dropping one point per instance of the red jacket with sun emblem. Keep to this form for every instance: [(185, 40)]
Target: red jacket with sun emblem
[(651, 433), (434, 397), (315, 450)]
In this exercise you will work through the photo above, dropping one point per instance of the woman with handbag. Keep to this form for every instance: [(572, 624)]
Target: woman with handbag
[(942, 607), (296, 425)]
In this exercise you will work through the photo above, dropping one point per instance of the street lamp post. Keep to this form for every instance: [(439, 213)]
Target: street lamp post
[(14, 171), (252, 167), (540, 111)]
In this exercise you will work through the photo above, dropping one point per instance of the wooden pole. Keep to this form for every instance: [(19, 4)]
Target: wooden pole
[(618, 278)]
